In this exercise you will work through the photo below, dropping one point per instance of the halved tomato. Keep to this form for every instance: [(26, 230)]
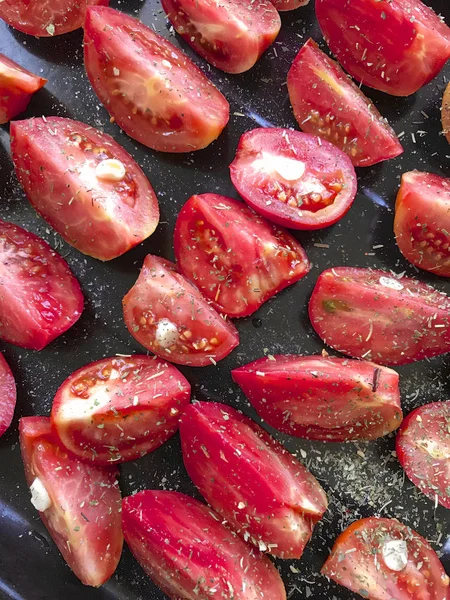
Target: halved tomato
[(422, 221), (39, 297), (423, 449), (382, 559), (323, 398), (84, 184), (445, 113), (17, 85), (292, 178), (283, 5), (265, 494), (237, 259), (8, 395), (169, 316), (371, 314), (120, 408), (182, 545), (79, 504), (231, 35), (395, 46), (151, 89), (327, 103)]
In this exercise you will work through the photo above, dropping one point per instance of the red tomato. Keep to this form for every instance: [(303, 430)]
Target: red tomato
[(182, 545), (380, 559), (17, 85), (323, 398), (370, 314), (169, 316), (8, 395), (119, 409), (327, 103), (236, 259), (84, 184), (151, 89), (79, 504), (283, 5), (445, 113), (231, 35), (292, 178), (39, 297), (266, 495), (395, 46), (422, 221), (423, 449)]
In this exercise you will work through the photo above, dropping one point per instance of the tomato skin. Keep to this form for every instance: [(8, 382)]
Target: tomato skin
[(283, 5), (327, 103), (243, 263), (396, 47), (235, 464), (364, 313), (8, 395), (84, 518), (356, 562), (258, 182), (150, 88), (445, 113), (17, 85), (422, 221), (231, 35), (323, 398), (182, 545), (55, 161)]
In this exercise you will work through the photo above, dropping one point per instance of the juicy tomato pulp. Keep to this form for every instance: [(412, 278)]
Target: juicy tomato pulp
[(17, 85), (422, 221), (231, 35), (169, 316), (395, 46), (370, 314), (423, 449), (8, 395), (151, 89), (265, 494), (83, 516), (61, 165), (237, 259), (119, 409), (318, 398), (445, 113), (382, 558), (327, 103), (292, 178), (39, 297), (182, 545)]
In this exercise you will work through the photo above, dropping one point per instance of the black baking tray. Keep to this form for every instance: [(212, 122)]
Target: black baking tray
[(361, 479)]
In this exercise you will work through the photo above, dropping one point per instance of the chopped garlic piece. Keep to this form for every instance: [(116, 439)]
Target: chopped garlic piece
[(110, 169), (389, 282), (39, 496), (395, 554), (166, 333)]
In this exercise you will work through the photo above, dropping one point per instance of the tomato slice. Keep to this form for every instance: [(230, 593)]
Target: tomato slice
[(294, 179), (231, 35), (40, 298), (266, 495), (17, 85), (182, 545), (380, 559), (151, 89), (237, 259), (370, 314), (327, 103), (395, 46), (445, 113), (79, 504), (323, 398), (283, 5), (120, 408), (84, 184), (8, 395)]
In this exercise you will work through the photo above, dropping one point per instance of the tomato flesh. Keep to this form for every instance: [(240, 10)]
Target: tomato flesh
[(8, 395), (293, 179), (17, 85), (445, 113), (283, 5)]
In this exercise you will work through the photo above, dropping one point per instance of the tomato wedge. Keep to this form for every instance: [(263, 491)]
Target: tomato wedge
[(327, 103), (423, 449), (182, 545), (231, 35), (395, 46), (293, 179), (445, 113), (84, 184), (8, 395), (151, 89), (370, 314), (17, 85), (265, 494), (40, 298), (380, 559), (323, 398), (236, 259), (79, 504)]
